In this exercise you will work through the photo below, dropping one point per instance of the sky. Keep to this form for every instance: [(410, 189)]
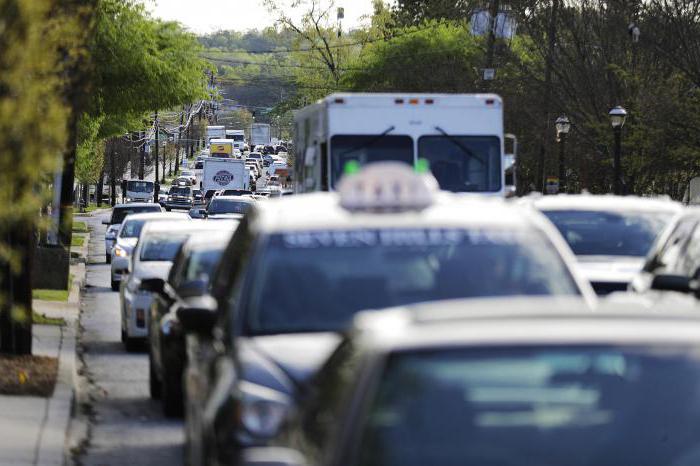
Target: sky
[(204, 16)]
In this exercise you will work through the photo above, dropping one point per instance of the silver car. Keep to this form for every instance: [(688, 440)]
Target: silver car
[(152, 257), (119, 213), (127, 237)]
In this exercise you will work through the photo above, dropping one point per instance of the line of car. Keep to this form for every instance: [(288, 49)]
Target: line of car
[(487, 351)]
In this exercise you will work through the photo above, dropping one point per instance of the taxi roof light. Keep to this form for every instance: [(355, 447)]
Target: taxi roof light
[(387, 186)]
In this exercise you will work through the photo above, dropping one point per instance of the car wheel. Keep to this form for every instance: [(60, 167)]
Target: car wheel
[(167, 209), (171, 396), (115, 285), (108, 258), (153, 382)]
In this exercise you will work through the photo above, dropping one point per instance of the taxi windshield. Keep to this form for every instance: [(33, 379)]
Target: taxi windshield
[(316, 281), (600, 233), (367, 149), (574, 406)]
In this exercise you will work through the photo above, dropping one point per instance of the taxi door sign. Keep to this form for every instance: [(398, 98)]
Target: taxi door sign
[(221, 149), (552, 185)]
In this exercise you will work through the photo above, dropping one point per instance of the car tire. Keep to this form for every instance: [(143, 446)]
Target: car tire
[(115, 285), (154, 386), (167, 209), (108, 258), (171, 396)]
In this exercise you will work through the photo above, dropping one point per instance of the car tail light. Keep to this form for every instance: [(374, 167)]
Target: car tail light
[(140, 318)]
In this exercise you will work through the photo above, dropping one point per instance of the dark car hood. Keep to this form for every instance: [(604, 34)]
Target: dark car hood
[(283, 362)]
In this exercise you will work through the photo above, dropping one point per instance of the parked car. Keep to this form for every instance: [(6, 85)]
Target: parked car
[(119, 213), (501, 383), (152, 258), (187, 281), (610, 235), (127, 238), (299, 268)]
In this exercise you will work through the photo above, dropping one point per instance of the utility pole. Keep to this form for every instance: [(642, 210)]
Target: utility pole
[(155, 124), (112, 181), (179, 142), (142, 155), (552, 42)]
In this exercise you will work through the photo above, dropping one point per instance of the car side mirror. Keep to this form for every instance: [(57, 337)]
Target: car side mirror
[(272, 456), (198, 316), (153, 285), (105, 221), (668, 282), (192, 288)]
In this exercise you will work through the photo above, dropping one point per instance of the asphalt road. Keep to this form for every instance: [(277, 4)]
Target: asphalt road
[(127, 427)]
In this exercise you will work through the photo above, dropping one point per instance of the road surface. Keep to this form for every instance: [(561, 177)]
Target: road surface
[(127, 427)]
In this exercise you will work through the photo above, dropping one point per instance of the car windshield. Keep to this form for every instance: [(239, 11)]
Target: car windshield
[(228, 206), (139, 186), (317, 280), (120, 213), (161, 247), (132, 228), (574, 406), (367, 149), (610, 233), (202, 264), (254, 155), (181, 191), (463, 163)]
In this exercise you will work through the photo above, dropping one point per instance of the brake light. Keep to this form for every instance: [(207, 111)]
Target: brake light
[(429, 101), (339, 100), (490, 101), (413, 101), (398, 101)]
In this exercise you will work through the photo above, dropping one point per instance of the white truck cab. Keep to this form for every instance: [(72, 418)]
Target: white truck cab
[(459, 135)]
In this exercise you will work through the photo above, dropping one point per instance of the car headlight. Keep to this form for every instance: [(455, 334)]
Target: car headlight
[(170, 198), (263, 410), (120, 252), (128, 199)]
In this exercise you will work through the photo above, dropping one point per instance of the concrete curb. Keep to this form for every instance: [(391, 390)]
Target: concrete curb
[(52, 448)]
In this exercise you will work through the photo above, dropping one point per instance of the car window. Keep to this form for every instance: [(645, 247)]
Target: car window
[(671, 251), (574, 406), (690, 255), (309, 281), (609, 233), (228, 206), (132, 228), (181, 191), (201, 264), (120, 213), (161, 247)]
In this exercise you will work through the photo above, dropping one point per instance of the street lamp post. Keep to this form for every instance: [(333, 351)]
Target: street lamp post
[(618, 115), (563, 125)]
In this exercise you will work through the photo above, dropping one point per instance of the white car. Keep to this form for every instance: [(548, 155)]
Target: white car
[(119, 213), (190, 175), (152, 257), (127, 238), (610, 235)]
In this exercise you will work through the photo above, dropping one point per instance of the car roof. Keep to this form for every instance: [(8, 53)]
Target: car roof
[(524, 321), (604, 202), (215, 240), (323, 211), (157, 216), (241, 198), (131, 205), (182, 226)]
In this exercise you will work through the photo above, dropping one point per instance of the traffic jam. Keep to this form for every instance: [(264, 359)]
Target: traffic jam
[(374, 293)]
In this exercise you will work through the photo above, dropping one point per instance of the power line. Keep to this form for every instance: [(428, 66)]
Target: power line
[(279, 65), (336, 46)]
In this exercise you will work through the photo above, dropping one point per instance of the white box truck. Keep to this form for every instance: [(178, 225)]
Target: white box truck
[(237, 136), (224, 174), (459, 135), (215, 132), (260, 134)]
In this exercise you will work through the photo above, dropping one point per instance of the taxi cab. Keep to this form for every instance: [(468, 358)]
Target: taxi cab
[(299, 268)]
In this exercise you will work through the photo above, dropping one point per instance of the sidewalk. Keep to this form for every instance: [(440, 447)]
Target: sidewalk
[(34, 428)]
